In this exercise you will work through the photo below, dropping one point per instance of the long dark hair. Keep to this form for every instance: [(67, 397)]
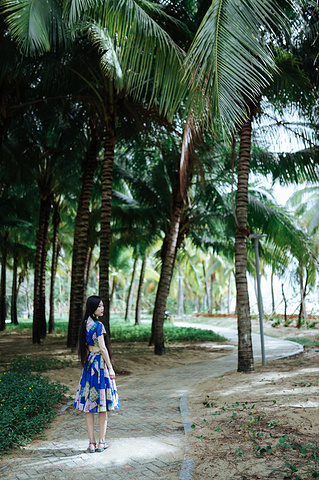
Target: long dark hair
[(92, 304)]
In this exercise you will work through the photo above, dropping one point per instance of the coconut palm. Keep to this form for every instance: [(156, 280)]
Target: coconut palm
[(16, 231), (121, 41), (227, 34), (81, 233), (131, 291)]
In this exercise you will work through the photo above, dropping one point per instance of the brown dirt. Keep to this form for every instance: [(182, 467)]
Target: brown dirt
[(128, 358), (261, 425)]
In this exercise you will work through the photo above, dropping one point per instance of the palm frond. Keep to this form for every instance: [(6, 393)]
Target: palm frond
[(191, 137), (110, 64), (149, 57), (229, 60), (290, 83), (279, 227), (36, 25)]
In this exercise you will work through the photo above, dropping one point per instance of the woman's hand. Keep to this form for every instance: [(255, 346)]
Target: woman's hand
[(112, 373)]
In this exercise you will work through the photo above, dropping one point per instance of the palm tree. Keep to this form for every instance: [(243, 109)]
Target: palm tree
[(22, 255), (4, 254), (16, 231), (122, 41), (224, 49), (56, 247), (80, 243), (131, 291), (138, 308)]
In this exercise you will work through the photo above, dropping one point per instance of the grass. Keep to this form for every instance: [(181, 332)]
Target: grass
[(172, 334), (306, 341), (25, 326), (122, 332), (27, 403)]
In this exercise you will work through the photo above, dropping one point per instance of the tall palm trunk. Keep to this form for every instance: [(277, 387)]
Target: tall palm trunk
[(206, 284), (272, 293), (87, 269), (210, 293), (14, 291), (80, 244), (168, 260), (303, 288), (55, 255), (39, 322), (138, 308), (245, 352), (180, 296), (130, 293), (106, 207), (285, 303), (229, 293), (113, 290), (3, 305)]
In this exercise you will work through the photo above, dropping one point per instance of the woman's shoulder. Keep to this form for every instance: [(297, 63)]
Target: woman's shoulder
[(90, 323), (94, 323)]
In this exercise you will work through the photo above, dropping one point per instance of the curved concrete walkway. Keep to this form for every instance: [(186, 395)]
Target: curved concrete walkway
[(146, 435)]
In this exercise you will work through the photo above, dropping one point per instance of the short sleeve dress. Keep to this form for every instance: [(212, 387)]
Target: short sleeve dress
[(96, 391)]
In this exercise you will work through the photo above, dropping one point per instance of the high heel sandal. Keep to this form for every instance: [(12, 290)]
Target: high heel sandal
[(101, 449), (92, 450)]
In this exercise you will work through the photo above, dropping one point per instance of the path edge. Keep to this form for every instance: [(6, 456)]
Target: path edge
[(187, 465)]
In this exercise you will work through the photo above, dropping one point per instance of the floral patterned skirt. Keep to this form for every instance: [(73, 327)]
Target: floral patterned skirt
[(96, 391)]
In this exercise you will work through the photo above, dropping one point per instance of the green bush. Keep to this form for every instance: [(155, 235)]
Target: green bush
[(172, 334), (27, 364), (27, 404), (61, 326)]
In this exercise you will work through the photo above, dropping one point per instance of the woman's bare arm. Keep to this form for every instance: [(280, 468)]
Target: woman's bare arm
[(106, 355)]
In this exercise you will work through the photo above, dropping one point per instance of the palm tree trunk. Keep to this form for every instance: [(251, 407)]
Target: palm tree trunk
[(80, 244), (87, 269), (106, 208), (130, 293), (113, 290), (206, 287), (3, 304), (168, 260), (285, 302), (229, 293), (211, 296), (39, 322), (245, 351), (302, 311), (180, 296), (272, 293), (14, 291), (138, 308), (54, 264)]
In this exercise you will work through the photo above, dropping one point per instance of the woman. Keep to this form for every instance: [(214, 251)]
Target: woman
[(97, 389)]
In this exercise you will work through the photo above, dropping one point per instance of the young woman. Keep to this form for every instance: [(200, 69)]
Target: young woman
[(97, 391)]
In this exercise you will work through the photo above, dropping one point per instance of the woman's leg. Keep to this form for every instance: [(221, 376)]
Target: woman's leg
[(102, 426), (90, 426)]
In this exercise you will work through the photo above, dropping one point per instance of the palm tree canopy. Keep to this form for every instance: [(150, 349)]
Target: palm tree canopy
[(145, 51), (37, 25), (232, 58)]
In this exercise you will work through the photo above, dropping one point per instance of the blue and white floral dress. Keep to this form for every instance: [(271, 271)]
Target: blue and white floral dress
[(96, 392)]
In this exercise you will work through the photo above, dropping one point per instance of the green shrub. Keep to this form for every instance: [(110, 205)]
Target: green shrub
[(27, 404), (275, 322), (27, 364), (172, 334)]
